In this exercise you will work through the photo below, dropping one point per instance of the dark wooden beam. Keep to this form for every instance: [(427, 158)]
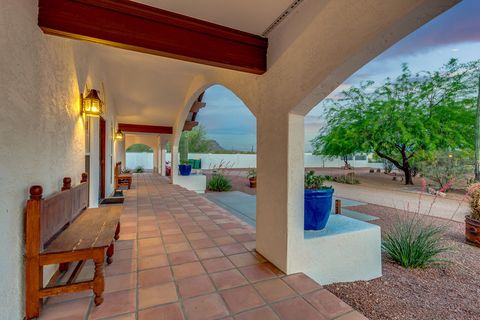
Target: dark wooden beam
[(134, 26), (189, 125), (141, 128), (197, 105)]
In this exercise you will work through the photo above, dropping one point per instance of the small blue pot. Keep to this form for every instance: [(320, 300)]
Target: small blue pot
[(318, 204), (185, 169)]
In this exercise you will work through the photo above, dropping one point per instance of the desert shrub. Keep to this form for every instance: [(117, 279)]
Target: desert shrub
[(219, 182), (347, 179), (139, 169), (387, 166), (445, 166), (414, 244), (474, 192)]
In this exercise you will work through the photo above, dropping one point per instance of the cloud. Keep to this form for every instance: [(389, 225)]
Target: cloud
[(458, 25)]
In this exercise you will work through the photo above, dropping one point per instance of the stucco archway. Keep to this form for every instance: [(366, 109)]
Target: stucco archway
[(199, 89)]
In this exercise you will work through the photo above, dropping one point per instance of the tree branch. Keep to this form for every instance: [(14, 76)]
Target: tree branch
[(395, 162)]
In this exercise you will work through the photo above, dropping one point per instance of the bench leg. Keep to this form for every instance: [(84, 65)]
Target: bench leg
[(98, 280), (110, 252), (117, 232), (33, 285)]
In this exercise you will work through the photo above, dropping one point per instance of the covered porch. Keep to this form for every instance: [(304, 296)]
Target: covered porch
[(181, 256), (206, 264)]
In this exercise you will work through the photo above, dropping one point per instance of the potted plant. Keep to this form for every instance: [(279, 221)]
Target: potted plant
[(318, 202), (185, 168), (252, 177), (472, 221)]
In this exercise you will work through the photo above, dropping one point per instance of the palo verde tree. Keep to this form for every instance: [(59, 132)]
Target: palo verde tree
[(336, 143), (406, 119)]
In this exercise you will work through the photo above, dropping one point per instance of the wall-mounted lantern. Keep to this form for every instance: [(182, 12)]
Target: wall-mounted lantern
[(118, 135), (92, 106)]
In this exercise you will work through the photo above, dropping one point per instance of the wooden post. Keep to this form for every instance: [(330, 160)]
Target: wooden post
[(338, 206), (33, 277), (67, 183)]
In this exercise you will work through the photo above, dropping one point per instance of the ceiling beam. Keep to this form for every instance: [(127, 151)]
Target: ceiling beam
[(141, 128), (197, 105), (189, 125), (135, 26)]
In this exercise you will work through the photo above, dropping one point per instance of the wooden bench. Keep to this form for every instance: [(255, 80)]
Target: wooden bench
[(59, 229), (121, 179)]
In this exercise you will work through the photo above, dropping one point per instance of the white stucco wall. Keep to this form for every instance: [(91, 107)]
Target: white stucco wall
[(135, 159), (42, 134), (210, 160)]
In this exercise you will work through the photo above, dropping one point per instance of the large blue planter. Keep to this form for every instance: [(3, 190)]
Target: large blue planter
[(185, 169), (318, 204)]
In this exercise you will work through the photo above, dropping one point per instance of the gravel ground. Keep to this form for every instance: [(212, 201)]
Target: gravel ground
[(448, 292)]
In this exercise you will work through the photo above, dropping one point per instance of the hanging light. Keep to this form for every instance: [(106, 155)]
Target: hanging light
[(92, 105), (118, 135)]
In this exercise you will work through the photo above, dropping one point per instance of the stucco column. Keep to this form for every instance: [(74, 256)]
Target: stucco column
[(163, 153), (94, 174), (280, 170), (155, 158), (174, 160), (120, 152)]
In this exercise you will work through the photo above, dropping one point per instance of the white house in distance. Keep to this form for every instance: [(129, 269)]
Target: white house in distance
[(149, 62)]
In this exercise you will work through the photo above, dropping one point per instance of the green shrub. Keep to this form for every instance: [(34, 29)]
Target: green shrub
[(219, 182), (347, 179), (314, 182), (413, 244), (139, 169)]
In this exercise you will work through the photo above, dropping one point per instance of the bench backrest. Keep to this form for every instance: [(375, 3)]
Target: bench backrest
[(46, 218), (118, 169)]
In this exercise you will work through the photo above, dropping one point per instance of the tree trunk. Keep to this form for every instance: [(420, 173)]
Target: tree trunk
[(477, 137), (404, 166), (408, 175)]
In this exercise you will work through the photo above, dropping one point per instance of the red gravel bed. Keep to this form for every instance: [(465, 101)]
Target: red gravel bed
[(448, 292)]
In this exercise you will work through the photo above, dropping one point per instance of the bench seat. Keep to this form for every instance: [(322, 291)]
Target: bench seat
[(94, 228)]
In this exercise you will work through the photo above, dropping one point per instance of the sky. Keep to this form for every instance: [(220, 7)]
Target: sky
[(454, 34)]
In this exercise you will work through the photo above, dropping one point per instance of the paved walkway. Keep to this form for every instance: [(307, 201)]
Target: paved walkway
[(403, 200), (182, 257)]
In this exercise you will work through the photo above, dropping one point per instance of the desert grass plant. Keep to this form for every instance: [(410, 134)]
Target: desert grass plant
[(412, 243), (219, 183)]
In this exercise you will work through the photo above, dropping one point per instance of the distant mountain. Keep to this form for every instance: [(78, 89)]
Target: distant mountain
[(214, 146)]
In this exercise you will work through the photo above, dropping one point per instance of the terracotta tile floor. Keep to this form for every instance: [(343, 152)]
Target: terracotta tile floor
[(182, 257)]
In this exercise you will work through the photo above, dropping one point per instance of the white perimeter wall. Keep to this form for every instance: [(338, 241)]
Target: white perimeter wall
[(135, 159), (210, 161)]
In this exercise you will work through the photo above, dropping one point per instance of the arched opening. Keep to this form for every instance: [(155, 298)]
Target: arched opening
[(139, 158), (383, 139), (222, 144)]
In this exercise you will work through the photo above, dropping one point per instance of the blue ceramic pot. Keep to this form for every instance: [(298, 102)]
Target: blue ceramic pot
[(318, 204), (185, 169)]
